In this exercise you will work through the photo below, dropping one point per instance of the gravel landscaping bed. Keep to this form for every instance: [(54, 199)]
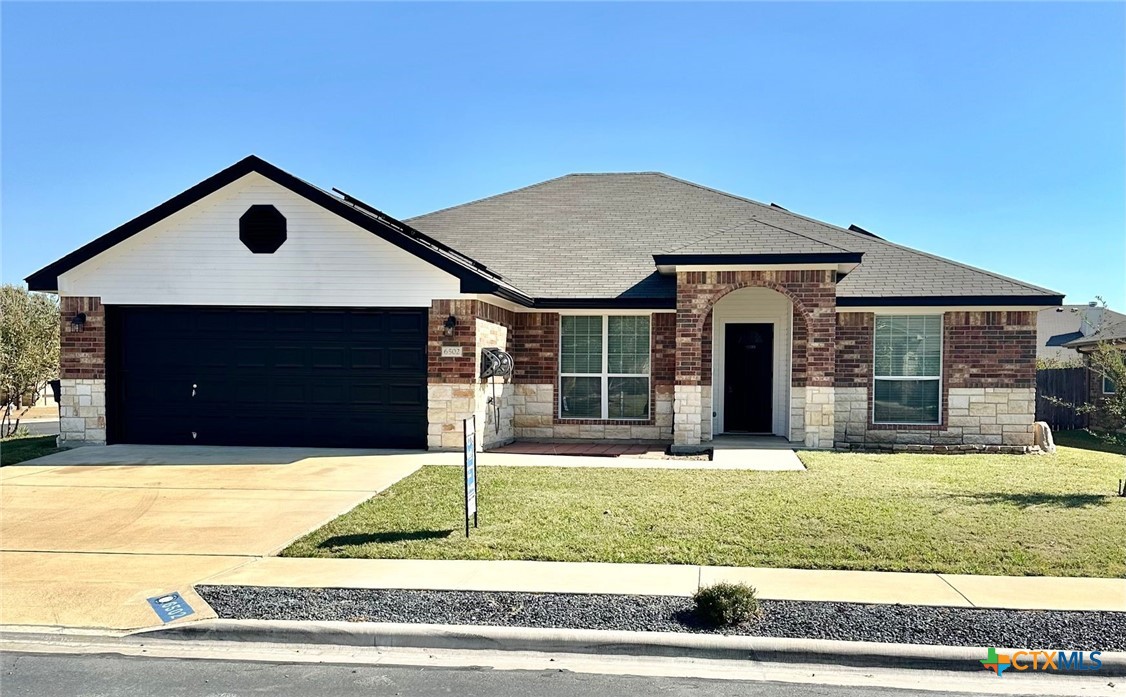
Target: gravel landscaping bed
[(911, 624)]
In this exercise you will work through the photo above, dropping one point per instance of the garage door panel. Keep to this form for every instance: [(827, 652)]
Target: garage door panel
[(245, 356), (285, 376), (406, 359), (329, 356), (369, 357), (407, 395), (328, 322), (290, 322), (370, 324), (290, 356), (327, 394), (407, 324)]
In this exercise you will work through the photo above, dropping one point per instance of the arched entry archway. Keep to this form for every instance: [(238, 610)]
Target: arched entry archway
[(752, 360), (802, 409)]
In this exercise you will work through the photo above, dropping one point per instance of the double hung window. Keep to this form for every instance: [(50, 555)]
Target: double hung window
[(604, 367)]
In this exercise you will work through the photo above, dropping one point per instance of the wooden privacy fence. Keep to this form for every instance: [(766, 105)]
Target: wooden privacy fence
[(1069, 385)]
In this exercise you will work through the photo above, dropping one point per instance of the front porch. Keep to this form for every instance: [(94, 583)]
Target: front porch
[(762, 453), (755, 356)]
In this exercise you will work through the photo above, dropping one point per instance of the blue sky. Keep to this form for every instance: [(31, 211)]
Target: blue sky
[(992, 134)]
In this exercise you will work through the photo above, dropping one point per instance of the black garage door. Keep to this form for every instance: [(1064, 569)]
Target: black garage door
[(267, 376)]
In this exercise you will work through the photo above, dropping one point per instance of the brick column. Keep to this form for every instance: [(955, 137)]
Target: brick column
[(693, 303), (454, 389), (82, 372)]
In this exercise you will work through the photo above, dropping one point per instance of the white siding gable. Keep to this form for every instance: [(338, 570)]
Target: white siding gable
[(194, 257)]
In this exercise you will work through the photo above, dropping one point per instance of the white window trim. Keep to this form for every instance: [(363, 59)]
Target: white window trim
[(605, 375), (917, 378), (1105, 391)]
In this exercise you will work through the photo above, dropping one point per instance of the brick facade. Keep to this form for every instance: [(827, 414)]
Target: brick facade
[(1100, 419), (664, 348), (465, 369), (988, 385), (83, 347), (799, 340), (455, 390), (535, 339), (855, 332), (989, 349), (988, 372), (813, 294), (536, 352), (82, 372), (452, 370)]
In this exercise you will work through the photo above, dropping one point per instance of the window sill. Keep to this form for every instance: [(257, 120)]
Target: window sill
[(567, 421), (885, 426)]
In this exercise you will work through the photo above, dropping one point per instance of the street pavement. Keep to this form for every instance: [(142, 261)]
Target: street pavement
[(41, 427), (107, 675)]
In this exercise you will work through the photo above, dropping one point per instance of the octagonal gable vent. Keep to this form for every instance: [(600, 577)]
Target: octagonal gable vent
[(262, 229)]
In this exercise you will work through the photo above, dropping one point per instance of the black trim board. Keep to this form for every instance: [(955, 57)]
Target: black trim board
[(668, 303), (472, 279), (605, 303), (731, 259), (941, 300)]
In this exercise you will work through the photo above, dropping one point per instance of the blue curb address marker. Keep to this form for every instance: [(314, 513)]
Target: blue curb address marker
[(170, 607)]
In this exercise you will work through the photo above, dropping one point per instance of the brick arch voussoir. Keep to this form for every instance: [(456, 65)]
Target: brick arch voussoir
[(772, 285)]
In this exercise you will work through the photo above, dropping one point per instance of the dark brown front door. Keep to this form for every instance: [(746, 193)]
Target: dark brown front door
[(748, 378)]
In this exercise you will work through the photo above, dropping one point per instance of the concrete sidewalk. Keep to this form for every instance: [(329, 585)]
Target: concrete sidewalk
[(1029, 593)]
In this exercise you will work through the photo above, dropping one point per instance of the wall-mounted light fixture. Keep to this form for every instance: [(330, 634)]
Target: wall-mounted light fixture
[(451, 323), (78, 321)]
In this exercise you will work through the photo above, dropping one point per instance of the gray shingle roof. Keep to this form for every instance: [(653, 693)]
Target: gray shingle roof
[(1112, 333), (755, 236), (594, 236)]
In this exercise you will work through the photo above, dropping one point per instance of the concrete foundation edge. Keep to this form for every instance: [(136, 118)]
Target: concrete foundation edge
[(584, 641)]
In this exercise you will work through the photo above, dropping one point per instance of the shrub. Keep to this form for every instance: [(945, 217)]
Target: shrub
[(726, 604)]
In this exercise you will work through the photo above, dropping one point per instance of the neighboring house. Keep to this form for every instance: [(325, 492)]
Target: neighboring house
[(1056, 326), (257, 309), (1112, 333)]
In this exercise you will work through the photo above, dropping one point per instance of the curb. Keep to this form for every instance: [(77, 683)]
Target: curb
[(603, 642)]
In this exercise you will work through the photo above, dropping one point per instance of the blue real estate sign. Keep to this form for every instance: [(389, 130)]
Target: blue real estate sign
[(470, 472), (170, 607)]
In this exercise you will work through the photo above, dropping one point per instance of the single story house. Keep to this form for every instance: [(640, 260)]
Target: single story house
[(1056, 327), (257, 309), (1111, 333)]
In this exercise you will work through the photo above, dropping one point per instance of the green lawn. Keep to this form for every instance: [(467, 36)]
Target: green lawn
[(13, 450), (1087, 441), (991, 514)]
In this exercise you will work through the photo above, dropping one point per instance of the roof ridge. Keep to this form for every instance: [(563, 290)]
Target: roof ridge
[(867, 238), (614, 174), (802, 234), (710, 235), (532, 186), (488, 198), (735, 227)]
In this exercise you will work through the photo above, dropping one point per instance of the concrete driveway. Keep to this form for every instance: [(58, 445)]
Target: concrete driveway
[(88, 534)]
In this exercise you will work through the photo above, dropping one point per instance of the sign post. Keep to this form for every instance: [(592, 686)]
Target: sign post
[(470, 426)]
